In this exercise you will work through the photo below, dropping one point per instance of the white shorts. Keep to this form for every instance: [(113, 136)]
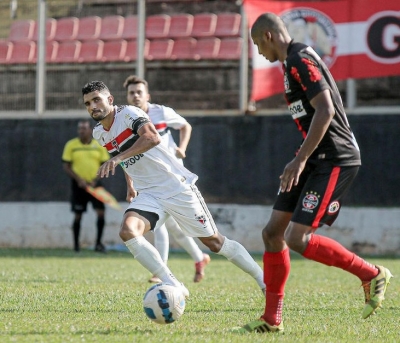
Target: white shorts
[(187, 208)]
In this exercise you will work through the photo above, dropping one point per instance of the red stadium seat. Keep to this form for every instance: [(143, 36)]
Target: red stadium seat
[(129, 31), (66, 29), (183, 49), (114, 50), (207, 48), (131, 50), (160, 49), (21, 30), (6, 48), (111, 27), (157, 26), (89, 28), (23, 52), (230, 48), (204, 25), (51, 25), (181, 26), (228, 25), (91, 51), (68, 52), (51, 51)]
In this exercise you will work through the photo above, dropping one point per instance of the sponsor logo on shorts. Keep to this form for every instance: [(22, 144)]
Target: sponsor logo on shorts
[(310, 202), (333, 207), (201, 219)]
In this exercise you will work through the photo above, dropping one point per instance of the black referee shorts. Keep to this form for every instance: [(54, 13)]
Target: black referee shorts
[(316, 200)]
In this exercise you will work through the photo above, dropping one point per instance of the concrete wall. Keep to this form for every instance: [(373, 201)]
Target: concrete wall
[(364, 230)]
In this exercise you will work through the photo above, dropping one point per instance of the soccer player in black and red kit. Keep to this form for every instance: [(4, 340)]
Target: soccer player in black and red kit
[(314, 182)]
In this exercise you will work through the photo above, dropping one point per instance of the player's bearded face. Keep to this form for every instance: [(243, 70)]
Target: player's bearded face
[(99, 105)]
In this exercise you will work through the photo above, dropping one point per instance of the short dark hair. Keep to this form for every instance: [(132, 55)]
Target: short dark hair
[(93, 86), (134, 80)]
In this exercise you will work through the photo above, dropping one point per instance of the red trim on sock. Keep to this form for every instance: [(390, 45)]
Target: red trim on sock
[(276, 273), (331, 253)]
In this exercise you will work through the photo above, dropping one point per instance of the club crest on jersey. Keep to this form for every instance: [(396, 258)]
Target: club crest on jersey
[(310, 202), (313, 28), (115, 144), (201, 219), (333, 207)]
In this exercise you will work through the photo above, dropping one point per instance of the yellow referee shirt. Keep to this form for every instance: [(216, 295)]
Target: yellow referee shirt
[(85, 159)]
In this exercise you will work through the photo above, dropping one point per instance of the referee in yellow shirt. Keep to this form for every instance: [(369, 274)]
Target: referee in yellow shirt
[(82, 157)]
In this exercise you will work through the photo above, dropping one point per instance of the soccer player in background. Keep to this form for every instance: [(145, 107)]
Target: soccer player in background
[(164, 186), (314, 182), (82, 157), (164, 118)]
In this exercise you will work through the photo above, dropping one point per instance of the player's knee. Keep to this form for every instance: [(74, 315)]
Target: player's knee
[(214, 244), (295, 239), (126, 233), (270, 235)]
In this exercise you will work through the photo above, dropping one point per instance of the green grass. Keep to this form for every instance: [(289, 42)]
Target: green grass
[(59, 296)]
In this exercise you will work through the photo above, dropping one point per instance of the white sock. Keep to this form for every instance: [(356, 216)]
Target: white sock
[(148, 256), (187, 243), (161, 242), (240, 257)]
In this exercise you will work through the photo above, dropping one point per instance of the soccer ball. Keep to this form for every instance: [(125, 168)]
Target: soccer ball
[(164, 303)]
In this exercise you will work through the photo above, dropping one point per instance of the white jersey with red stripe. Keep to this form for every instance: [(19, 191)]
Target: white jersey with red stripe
[(156, 171), (164, 117)]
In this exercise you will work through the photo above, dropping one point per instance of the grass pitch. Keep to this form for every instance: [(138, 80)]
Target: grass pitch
[(59, 296)]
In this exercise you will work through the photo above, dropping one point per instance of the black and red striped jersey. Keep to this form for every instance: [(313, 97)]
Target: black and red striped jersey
[(305, 76)]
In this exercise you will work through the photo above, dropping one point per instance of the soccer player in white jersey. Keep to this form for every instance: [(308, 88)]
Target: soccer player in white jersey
[(164, 187), (164, 118)]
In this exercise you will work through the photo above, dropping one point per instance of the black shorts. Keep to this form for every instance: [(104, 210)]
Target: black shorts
[(316, 200), (80, 198)]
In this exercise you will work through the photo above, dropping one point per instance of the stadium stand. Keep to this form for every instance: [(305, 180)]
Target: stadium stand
[(23, 52), (228, 25), (113, 38), (183, 49), (131, 50), (51, 52), (230, 48), (129, 31), (204, 25), (89, 28), (21, 30), (66, 29), (5, 51), (68, 52), (91, 51), (51, 25), (181, 26), (114, 51), (157, 26), (160, 49), (111, 27), (207, 48)]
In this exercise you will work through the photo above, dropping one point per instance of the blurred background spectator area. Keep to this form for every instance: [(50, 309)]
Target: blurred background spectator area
[(192, 54)]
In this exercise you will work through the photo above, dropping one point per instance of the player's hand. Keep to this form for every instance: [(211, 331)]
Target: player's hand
[(82, 183), (180, 153), (130, 194), (108, 167), (291, 174)]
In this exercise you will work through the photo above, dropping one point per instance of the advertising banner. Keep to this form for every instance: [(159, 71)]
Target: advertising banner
[(355, 38)]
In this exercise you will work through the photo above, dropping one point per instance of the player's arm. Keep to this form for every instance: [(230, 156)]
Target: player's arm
[(67, 166), (324, 112), (184, 137), (130, 189), (148, 138)]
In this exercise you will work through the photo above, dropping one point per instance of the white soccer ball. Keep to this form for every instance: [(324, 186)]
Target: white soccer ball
[(164, 303)]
